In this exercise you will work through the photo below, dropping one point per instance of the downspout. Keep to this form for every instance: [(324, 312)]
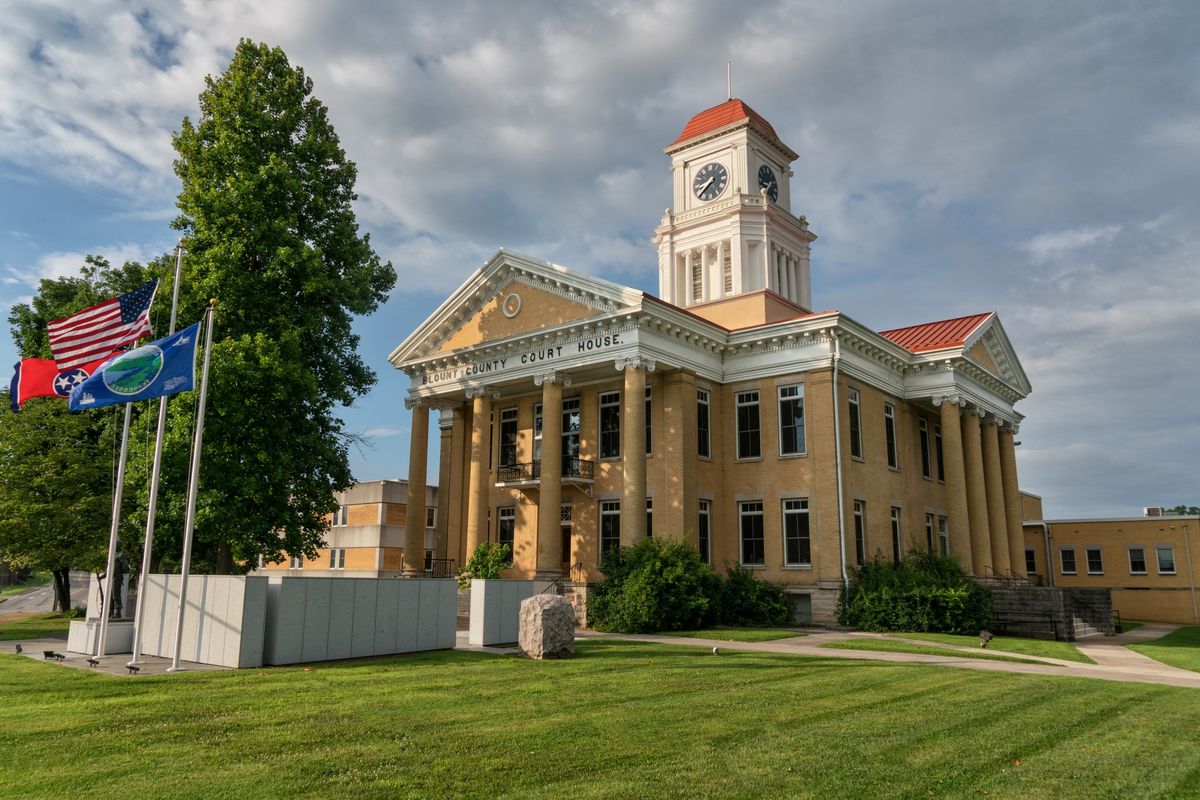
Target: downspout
[(837, 450), (1046, 537)]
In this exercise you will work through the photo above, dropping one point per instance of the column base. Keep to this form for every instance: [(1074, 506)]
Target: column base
[(412, 573)]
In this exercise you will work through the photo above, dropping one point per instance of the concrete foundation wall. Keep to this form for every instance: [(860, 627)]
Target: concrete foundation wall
[(223, 621), (1047, 612), (322, 619)]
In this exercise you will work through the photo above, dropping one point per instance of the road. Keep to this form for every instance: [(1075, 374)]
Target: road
[(41, 599)]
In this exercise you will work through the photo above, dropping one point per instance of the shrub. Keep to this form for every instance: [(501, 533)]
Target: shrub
[(924, 592), (662, 585), (744, 600), (655, 585), (488, 560)]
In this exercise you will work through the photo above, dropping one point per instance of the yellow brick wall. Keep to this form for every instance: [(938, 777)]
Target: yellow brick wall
[(1152, 596)]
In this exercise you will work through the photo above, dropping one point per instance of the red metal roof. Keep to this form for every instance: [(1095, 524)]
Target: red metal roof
[(936, 335), (727, 113)]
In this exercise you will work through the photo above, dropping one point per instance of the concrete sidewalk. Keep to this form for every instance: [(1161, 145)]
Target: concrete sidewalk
[(110, 665), (1111, 666)]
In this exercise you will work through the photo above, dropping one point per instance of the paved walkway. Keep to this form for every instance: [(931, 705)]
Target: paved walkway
[(112, 665), (1113, 662)]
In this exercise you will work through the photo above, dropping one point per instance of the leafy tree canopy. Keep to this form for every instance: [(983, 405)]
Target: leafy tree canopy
[(265, 207)]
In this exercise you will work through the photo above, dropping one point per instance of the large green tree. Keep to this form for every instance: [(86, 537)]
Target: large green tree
[(56, 468), (266, 209)]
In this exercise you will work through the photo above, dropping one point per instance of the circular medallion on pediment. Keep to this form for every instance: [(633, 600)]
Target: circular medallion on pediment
[(511, 305)]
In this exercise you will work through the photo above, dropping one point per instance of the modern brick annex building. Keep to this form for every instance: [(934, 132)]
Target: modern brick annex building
[(724, 412)]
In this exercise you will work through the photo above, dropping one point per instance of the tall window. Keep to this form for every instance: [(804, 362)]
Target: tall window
[(702, 528), (649, 425), (565, 516), (703, 443), (791, 420), (943, 536), (1166, 559), (1137, 560), (337, 558), (727, 272), (889, 430), (855, 425), (649, 517), (506, 533), (1095, 560), (860, 532), (937, 450), (610, 526), (697, 280), (923, 433), (750, 517), (570, 429), (1030, 561), (897, 544), (748, 445), (537, 432), (1066, 560), (508, 437), (610, 425), (797, 546), (430, 516), (296, 562), (340, 517), (929, 532)]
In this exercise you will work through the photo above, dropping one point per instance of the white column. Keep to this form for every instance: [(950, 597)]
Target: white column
[(688, 291)]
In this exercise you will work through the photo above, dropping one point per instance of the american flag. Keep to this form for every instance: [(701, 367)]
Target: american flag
[(97, 331)]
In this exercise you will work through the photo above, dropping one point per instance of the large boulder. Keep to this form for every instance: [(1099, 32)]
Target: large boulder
[(547, 627)]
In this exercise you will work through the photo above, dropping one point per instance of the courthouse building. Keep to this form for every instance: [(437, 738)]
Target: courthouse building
[(577, 415)]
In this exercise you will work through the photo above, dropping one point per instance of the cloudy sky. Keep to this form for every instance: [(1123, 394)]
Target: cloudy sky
[(1037, 159)]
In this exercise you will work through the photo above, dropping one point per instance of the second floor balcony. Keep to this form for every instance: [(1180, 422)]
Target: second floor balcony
[(576, 471)]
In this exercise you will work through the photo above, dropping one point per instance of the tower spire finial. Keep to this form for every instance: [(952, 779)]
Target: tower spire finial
[(729, 80)]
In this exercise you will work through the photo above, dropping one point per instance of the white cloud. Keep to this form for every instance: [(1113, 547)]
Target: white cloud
[(1048, 246)]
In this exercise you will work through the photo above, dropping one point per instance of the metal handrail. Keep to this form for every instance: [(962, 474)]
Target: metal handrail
[(440, 568), (532, 470)]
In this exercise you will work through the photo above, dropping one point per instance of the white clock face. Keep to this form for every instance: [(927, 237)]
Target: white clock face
[(710, 181)]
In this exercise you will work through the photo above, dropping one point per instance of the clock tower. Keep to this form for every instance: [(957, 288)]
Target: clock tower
[(731, 232)]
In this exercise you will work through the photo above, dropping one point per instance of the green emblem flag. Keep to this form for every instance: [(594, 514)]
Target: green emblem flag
[(163, 367)]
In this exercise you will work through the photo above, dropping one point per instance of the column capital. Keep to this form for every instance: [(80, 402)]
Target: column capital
[(415, 402), (972, 410), (1009, 427), (481, 391), (553, 376), (635, 362), (948, 399)]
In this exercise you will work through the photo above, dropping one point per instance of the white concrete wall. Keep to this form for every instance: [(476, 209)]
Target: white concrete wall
[(223, 622), (496, 610), (322, 619)]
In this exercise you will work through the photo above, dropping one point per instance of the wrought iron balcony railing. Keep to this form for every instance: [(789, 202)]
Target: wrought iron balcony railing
[(573, 469)]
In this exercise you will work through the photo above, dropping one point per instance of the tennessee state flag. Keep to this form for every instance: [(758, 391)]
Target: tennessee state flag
[(41, 377)]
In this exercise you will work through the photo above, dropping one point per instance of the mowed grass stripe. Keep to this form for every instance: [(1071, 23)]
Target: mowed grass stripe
[(623, 720)]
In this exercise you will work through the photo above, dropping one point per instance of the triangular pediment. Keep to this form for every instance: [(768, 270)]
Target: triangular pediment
[(989, 347), (509, 296), (516, 308)]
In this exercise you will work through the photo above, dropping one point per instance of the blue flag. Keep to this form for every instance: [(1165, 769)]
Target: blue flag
[(164, 367)]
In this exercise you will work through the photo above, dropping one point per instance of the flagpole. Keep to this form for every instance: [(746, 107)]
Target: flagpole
[(193, 481), (112, 535), (152, 510)]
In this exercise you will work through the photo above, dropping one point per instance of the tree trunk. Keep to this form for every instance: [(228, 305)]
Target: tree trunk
[(62, 589), (224, 559)]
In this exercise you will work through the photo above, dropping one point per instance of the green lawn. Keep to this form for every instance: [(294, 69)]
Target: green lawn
[(1179, 648), (893, 646), (623, 720), (737, 634), (34, 627), (1011, 644), (1128, 625)]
